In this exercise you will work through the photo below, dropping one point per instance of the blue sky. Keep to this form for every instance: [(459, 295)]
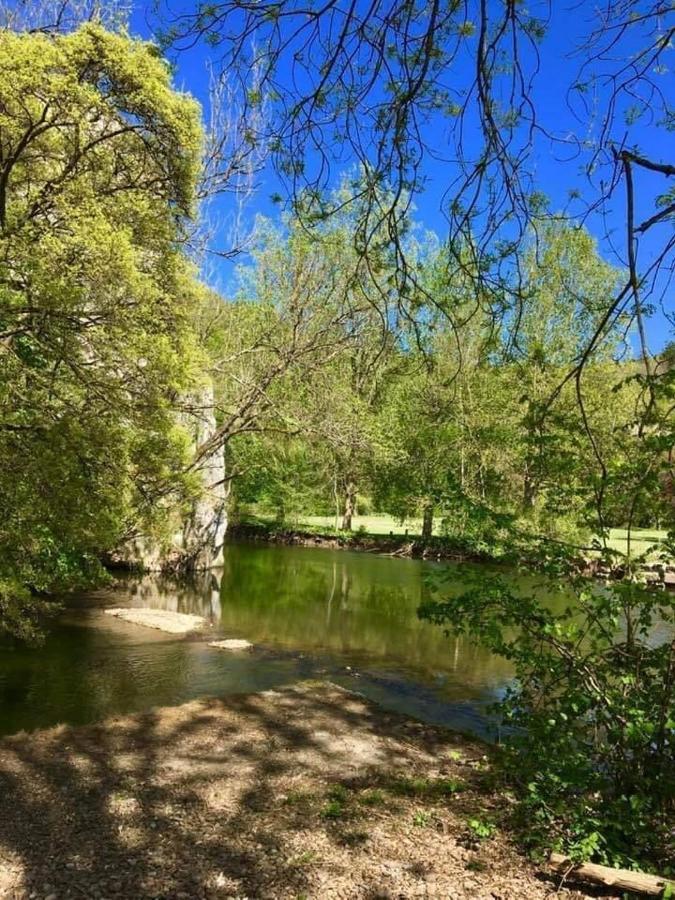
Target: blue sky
[(555, 174)]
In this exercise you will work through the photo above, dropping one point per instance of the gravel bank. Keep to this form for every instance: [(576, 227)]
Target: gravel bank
[(161, 619), (308, 792)]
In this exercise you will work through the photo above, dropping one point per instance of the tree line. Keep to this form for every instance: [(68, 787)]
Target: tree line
[(327, 379), (435, 415)]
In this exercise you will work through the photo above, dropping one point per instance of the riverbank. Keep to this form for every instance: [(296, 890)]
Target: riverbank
[(306, 792), (401, 545), (657, 574)]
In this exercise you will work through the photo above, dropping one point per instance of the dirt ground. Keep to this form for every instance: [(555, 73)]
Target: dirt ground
[(309, 792)]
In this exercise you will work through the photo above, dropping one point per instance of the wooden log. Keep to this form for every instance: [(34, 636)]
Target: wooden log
[(621, 879)]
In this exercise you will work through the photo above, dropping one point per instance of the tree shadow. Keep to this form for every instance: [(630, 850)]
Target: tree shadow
[(190, 801)]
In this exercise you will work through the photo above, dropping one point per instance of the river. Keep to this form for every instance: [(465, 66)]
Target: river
[(310, 613)]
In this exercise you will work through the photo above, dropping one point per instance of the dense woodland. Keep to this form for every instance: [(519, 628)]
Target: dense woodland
[(360, 362)]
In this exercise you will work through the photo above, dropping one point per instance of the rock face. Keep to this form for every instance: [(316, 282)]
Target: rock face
[(203, 534), (197, 544)]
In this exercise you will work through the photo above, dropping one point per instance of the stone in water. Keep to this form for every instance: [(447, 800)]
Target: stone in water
[(231, 644)]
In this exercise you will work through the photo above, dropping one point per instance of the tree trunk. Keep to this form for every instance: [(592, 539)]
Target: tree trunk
[(428, 521), (529, 491), (350, 505), (336, 497), (619, 879)]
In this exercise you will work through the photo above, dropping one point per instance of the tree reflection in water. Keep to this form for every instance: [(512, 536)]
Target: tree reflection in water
[(348, 617)]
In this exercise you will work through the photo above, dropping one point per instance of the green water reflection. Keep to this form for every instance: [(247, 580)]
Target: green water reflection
[(310, 613)]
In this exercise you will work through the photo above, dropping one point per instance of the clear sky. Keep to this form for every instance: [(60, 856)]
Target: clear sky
[(557, 171)]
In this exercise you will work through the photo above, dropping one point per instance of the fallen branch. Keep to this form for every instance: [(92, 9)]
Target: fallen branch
[(405, 550), (621, 879)]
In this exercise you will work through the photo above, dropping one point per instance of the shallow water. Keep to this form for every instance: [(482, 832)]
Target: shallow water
[(349, 617)]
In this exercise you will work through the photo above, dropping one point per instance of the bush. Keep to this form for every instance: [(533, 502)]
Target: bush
[(20, 611), (475, 528), (590, 718), (364, 506)]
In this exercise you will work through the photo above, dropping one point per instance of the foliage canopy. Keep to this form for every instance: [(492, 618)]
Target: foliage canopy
[(98, 160)]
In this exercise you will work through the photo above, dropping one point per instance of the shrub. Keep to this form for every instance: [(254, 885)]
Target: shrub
[(482, 829), (590, 717)]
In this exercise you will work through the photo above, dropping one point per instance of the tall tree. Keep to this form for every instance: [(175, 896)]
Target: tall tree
[(290, 319), (98, 161), (565, 289)]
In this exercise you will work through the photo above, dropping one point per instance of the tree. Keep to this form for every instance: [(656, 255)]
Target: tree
[(414, 461), (344, 401), (370, 84), (290, 320), (98, 161), (61, 16), (303, 350), (566, 285)]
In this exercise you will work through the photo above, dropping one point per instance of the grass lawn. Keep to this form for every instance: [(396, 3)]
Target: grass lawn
[(641, 539), (378, 524)]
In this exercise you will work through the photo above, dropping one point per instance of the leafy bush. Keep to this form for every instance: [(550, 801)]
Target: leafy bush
[(421, 818), (19, 610), (590, 717), (482, 829), (364, 506)]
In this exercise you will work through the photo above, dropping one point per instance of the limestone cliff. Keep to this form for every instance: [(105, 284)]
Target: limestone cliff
[(197, 543), (203, 533)]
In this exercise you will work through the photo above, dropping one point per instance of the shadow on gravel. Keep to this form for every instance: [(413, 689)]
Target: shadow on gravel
[(189, 801)]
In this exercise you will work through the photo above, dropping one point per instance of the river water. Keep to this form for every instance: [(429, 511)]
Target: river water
[(310, 613)]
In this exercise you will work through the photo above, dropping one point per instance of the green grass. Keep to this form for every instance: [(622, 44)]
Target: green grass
[(337, 799), (376, 524), (380, 525), (373, 798), (431, 788), (641, 539), (333, 809)]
